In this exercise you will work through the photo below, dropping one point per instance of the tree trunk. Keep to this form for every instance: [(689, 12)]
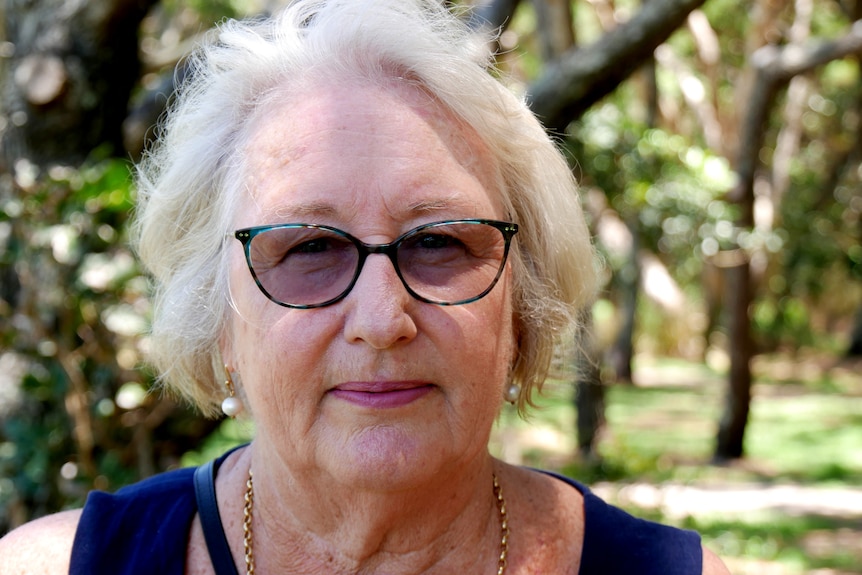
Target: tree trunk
[(772, 68), (731, 432), (855, 347), (67, 83), (621, 353), (589, 390), (556, 26), (554, 18)]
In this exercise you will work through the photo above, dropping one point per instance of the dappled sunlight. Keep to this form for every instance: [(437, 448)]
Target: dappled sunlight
[(845, 374), (824, 542), (659, 285), (793, 506), (678, 501), (523, 446), (654, 372)]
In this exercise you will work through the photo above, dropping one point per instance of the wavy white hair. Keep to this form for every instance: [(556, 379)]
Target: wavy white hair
[(189, 183)]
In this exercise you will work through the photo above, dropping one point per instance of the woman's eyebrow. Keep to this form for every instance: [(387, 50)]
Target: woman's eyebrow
[(438, 205), (304, 210)]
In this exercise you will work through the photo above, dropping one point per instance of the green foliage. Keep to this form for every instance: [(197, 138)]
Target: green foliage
[(74, 338), (206, 12), (66, 333), (669, 189), (229, 434), (818, 221)]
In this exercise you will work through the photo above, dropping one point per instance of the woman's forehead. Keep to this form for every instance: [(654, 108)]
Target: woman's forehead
[(341, 144)]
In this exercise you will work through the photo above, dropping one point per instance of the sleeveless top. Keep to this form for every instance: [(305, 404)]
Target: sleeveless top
[(144, 529)]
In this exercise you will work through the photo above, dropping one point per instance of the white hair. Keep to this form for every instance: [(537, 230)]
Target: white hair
[(189, 183)]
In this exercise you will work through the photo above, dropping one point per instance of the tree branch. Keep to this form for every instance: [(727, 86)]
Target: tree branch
[(781, 63), (582, 76), (774, 66)]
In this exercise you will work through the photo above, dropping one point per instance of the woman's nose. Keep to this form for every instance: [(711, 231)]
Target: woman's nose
[(378, 306)]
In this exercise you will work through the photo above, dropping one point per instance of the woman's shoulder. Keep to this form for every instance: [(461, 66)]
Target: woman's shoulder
[(712, 564), (108, 523), (610, 540), (142, 528), (546, 522), (42, 546)]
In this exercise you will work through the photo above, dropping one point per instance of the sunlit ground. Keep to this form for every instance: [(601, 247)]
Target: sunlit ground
[(793, 506)]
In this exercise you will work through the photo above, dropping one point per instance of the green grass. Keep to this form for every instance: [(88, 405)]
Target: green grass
[(799, 544), (805, 428), (808, 432)]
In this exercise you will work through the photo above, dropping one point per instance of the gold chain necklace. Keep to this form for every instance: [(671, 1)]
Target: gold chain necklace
[(247, 542)]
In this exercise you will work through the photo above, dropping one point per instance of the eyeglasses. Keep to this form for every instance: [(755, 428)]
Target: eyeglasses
[(446, 263)]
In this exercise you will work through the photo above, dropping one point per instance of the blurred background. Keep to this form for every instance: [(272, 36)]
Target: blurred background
[(719, 150)]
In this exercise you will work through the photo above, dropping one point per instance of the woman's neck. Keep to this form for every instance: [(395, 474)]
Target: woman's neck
[(447, 522)]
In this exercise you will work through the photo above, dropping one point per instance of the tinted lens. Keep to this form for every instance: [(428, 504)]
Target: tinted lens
[(302, 265), (452, 263), (448, 263)]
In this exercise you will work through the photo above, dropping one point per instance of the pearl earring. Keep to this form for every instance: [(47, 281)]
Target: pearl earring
[(231, 406), (513, 393)]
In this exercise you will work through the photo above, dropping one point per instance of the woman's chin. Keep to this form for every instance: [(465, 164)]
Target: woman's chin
[(388, 458)]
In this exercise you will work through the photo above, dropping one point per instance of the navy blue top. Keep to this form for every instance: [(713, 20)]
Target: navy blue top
[(143, 529)]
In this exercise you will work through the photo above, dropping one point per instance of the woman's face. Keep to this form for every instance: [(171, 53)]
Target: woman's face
[(378, 388)]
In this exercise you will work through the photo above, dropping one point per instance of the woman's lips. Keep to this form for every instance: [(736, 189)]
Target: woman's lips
[(381, 394)]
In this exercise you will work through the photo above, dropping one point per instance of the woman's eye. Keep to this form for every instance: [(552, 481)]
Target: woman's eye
[(311, 247), (436, 241)]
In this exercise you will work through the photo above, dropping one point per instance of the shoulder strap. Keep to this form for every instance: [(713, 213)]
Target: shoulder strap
[(217, 545)]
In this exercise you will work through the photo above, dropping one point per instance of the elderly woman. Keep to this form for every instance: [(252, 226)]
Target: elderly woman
[(366, 244)]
